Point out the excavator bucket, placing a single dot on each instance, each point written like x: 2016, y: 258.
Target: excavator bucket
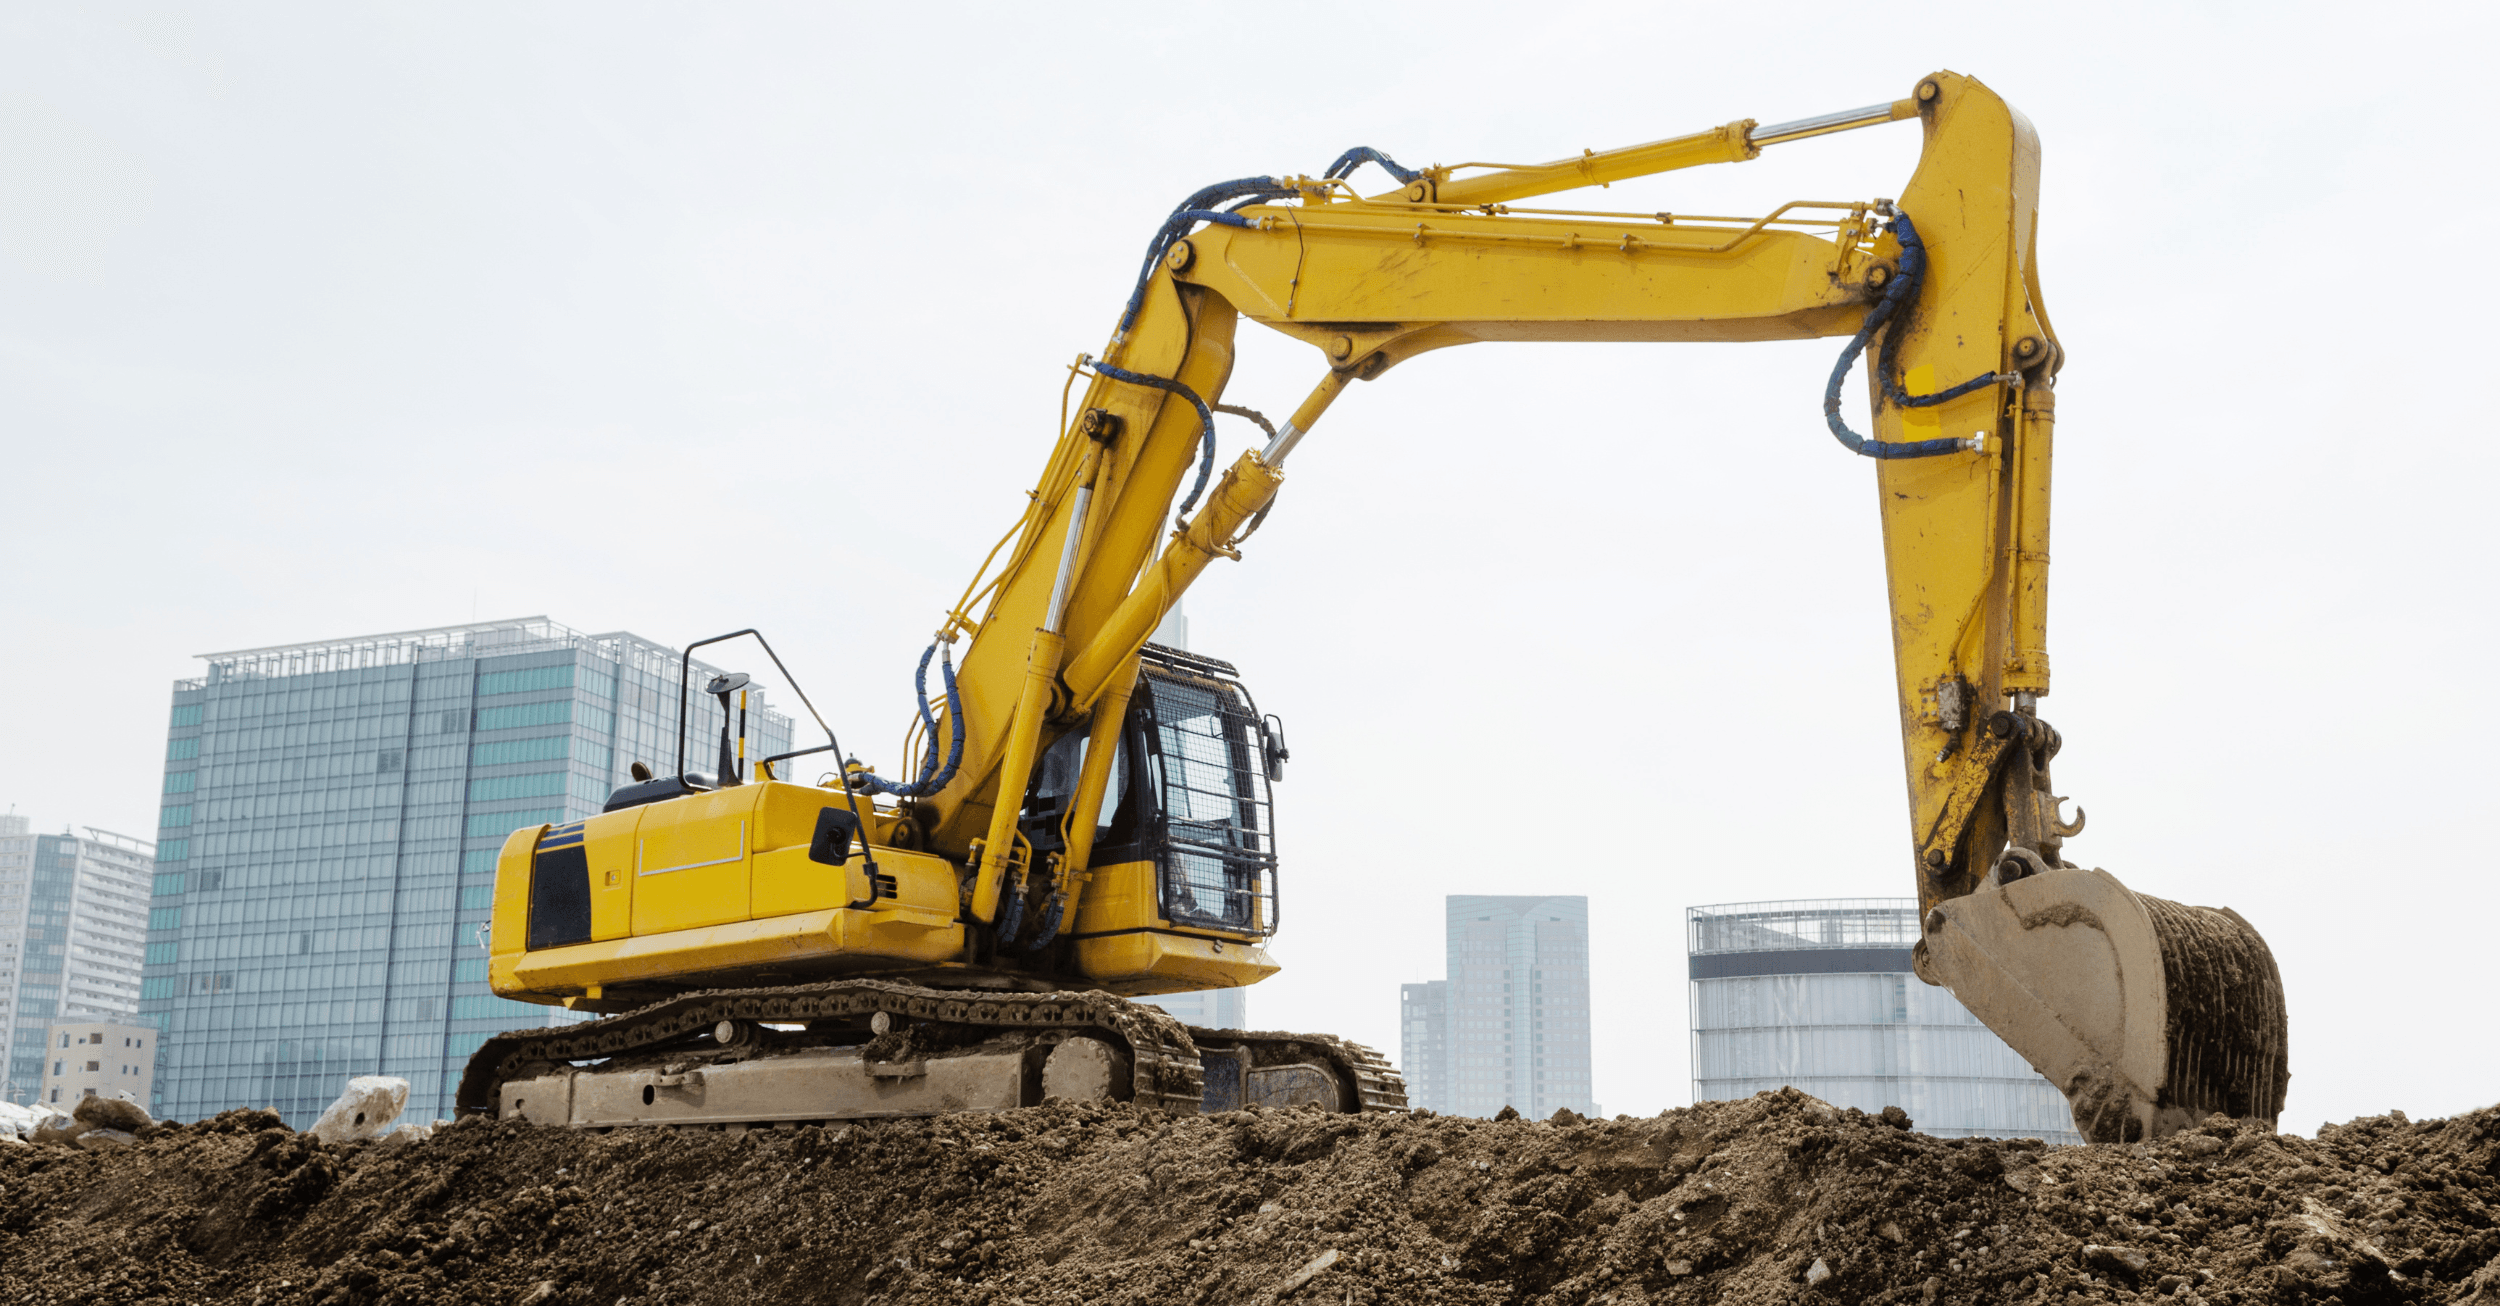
x: 2149, y: 1014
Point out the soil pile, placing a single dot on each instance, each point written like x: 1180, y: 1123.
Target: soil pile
x: 1779, y: 1198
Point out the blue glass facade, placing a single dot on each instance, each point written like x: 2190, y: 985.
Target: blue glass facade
x: 332, y: 815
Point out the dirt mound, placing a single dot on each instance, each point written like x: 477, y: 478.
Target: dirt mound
x: 1779, y: 1198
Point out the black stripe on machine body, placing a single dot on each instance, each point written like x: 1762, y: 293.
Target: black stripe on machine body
x: 1801, y: 961
x: 559, y: 896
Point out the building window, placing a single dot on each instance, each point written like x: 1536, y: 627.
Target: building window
x: 187, y: 715
x: 182, y: 750
x: 168, y: 883
x: 540, y: 784
x: 181, y: 782
x: 497, y: 824
x: 165, y: 918
x: 173, y: 850
x: 518, y: 715
x: 524, y: 680
x: 174, y: 817
x: 545, y: 748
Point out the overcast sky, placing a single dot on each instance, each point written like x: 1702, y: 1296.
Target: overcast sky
x: 323, y: 320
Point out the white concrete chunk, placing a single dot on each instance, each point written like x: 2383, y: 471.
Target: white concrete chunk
x: 366, y: 1110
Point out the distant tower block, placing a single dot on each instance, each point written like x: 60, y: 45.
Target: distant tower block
x: 1510, y: 1026
x: 1818, y: 995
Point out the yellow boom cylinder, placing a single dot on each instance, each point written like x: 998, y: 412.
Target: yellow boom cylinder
x: 1041, y: 665
x: 1247, y: 486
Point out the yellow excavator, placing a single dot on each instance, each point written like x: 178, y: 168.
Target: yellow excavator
x: 1084, y: 816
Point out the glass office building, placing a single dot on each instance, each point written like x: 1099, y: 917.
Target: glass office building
x: 1818, y: 995
x: 1423, y: 1043
x: 1510, y: 1026
x: 73, y: 920
x: 332, y: 816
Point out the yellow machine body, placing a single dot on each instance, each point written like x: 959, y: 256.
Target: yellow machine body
x: 717, y: 890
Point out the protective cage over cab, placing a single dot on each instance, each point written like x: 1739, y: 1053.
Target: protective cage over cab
x: 1187, y: 842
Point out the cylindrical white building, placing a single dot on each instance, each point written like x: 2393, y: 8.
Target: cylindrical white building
x: 1818, y: 994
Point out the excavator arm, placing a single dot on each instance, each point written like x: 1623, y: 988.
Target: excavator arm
x: 2147, y: 1013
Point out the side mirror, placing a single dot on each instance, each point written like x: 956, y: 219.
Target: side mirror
x: 1272, y: 743
x: 832, y: 844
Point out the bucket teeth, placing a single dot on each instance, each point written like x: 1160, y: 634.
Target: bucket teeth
x: 2226, y: 1023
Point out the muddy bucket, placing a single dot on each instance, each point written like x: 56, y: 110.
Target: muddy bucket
x: 2148, y: 1014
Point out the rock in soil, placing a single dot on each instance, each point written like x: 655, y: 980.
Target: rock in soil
x: 1725, y: 1202
x: 112, y: 1113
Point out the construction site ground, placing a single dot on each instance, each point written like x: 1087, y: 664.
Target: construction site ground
x: 1778, y: 1198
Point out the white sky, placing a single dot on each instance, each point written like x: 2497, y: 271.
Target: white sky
x: 320, y: 320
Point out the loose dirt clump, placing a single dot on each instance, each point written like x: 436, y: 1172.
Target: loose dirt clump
x: 1779, y: 1198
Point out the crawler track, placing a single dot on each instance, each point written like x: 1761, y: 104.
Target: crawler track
x: 1164, y: 1058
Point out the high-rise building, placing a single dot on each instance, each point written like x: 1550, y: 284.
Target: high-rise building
x: 333, y: 814
x: 1510, y: 1026
x: 1423, y: 1043
x: 73, y: 922
x: 1818, y: 995
x: 98, y: 1058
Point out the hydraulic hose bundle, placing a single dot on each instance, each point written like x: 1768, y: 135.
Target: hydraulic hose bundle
x: 1201, y: 207
x: 1899, y: 295
x: 932, y: 777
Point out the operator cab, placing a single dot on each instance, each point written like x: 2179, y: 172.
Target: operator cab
x: 1189, y: 792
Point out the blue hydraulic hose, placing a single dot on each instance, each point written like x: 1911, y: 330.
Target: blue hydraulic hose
x: 1361, y: 154
x: 1198, y: 208
x: 1237, y: 193
x: 1011, y: 915
x: 1206, y: 423
x: 1901, y: 292
x: 932, y: 778
x: 1055, y: 914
